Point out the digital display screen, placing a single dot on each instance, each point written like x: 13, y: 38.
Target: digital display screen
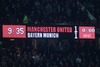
x: 86, y: 32
x: 14, y: 31
x: 50, y: 31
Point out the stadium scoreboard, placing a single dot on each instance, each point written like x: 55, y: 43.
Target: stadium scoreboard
x: 48, y: 31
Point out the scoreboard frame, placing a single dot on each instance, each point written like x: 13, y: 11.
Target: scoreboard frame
x: 74, y: 34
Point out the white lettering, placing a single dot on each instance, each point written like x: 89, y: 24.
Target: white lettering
x: 34, y: 35
x: 50, y: 35
x: 87, y: 36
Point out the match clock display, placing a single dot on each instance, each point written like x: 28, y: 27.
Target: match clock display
x: 14, y: 31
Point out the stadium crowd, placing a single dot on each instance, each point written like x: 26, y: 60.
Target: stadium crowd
x: 48, y: 11
x: 61, y: 53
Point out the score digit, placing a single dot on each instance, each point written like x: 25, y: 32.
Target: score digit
x: 91, y: 30
x: 83, y: 30
x: 10, y: 30
x: 20, y: 31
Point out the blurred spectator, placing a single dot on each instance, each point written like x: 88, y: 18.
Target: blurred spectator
x: 36, y: 58
x: 78, y: 60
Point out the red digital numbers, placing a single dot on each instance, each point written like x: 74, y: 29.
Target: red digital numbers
x: 14, y: 31
x: 86, y: 32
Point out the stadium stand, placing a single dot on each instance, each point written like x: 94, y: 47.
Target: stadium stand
x: 61, y: 53
x: 55, y: 11
x: 50, y: 53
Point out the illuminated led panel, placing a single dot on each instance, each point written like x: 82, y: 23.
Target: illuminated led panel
x: 86, y: 32
x: 14, y: 31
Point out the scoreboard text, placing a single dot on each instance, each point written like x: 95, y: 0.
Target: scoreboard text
x: 51, y: 31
